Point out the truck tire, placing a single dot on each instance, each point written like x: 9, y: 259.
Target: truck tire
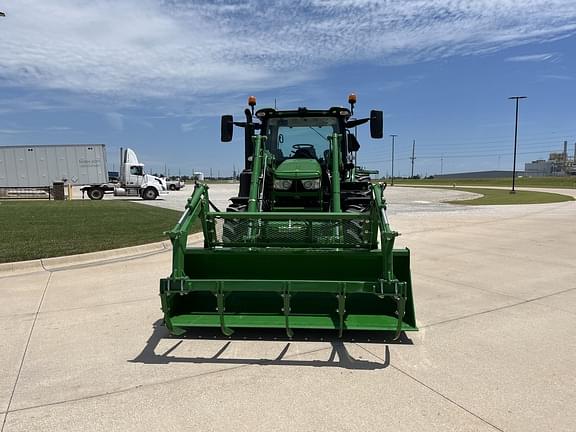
x: 95, y: 193
x: 149, y: 194
x: 172, y: 187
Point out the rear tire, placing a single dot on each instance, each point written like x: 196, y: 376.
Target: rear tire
x: 172, y: 187
x: 96, y: 193
x: 149, y: 194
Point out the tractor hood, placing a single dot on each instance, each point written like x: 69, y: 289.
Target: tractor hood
x: 295, y: 169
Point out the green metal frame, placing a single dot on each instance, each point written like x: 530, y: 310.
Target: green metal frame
x: 225, y: 272
x: 327, y: 283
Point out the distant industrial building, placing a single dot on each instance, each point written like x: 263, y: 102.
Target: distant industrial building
x: 558, y: 164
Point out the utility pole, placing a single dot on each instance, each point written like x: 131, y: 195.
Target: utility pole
x: 393, y: 141
x: 442, y: 164
x: 412, y: 158
x: 517, y: 98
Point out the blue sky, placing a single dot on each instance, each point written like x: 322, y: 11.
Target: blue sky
x: 155, y: 75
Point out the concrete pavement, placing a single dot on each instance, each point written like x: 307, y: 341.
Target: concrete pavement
x: 82, y: 348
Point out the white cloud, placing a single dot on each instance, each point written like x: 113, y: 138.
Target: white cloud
x: 58, y: 128
x: 532, y: 57
x: 134, y: 49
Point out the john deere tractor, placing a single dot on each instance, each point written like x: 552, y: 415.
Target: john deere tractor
x: 305, y: 244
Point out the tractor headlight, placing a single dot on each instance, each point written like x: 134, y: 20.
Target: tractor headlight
x: 282, y: 184
x: 311, y: 184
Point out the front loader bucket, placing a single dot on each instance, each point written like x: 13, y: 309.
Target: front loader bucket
x: 312, y: 289
x: 287, y: 270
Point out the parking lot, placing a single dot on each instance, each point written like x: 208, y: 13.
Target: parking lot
x: 83, y: 348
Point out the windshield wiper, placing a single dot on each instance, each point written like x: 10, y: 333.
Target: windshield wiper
x: 322, y: 136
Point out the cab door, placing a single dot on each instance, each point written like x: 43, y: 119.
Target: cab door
x: 135, y: 176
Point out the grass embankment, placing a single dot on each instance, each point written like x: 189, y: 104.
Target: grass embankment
x: 42, y: 229
x: 504, y: 197
x: 544, y: 182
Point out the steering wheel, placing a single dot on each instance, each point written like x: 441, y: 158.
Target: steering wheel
x: 303, y: 151
x: 301, y: 146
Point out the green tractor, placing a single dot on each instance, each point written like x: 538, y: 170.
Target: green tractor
x: 305, y: 244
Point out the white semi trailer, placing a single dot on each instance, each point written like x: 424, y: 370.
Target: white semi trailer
x: 36, y: 166
x: 132, y: 181
x: 29, y: 166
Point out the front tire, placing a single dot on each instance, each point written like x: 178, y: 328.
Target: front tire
x: 96, y: 193
x: 149, y: 194
x: 172, y: 187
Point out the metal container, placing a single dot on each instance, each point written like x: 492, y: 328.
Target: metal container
x: 42, y: 165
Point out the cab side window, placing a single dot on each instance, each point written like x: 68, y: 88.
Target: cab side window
x: 136, y: 170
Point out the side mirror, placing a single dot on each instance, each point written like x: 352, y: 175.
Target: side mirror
x: 226, y: 128
x: 376, y: 124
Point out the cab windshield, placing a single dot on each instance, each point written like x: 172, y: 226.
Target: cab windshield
x: 301, y: 137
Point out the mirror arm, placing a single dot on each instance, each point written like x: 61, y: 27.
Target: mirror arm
x: 358, y: 122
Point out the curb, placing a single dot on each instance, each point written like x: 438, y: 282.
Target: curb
x: 87, y: 259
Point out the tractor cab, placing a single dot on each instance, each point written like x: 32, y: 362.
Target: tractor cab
x: 303, y: 150
x: 299, y: 143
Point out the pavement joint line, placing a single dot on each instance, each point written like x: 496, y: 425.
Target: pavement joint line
x: 491, y: 251
x: 485, y: 290
x: 105, y: 261
x: 25, y: 352
x: 488, y: 291
x: 43, y: 313
x: 497, y: 220
x: 499, y: 308
x: 139, y: 386
x: 432, y: 389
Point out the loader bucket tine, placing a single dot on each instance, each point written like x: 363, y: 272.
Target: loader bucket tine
x: 220, y: 302
x: 341, y: 311
x: 286, y: 310
x: 401, y: 308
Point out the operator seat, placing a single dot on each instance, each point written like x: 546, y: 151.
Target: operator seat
x: 305, y: 153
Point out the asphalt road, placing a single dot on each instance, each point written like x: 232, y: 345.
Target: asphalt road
x: 82, y: 349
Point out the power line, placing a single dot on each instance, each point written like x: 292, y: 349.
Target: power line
x: 476, y: 150
x: 461, y: 156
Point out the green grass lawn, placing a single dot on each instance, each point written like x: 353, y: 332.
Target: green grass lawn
x: 546, y: 182
x: 501, y: 197
x: 42, y: 229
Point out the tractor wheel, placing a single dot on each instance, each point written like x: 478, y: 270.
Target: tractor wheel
x: 232, y: 229
x: 96, y: 193
x: 149, y: 194
x: 354, y: 232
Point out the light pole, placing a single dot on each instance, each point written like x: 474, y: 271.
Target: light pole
x: 393, y: 140
x: 517, y: 98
